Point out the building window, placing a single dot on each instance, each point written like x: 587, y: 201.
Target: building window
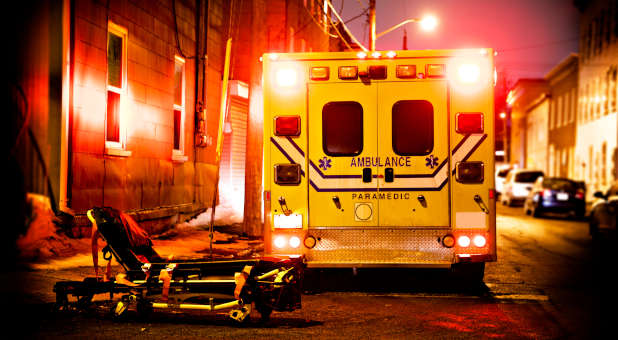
x: 115, y: 130
x: 179, y: 106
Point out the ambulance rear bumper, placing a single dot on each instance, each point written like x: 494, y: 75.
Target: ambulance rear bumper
x: 380, y: 247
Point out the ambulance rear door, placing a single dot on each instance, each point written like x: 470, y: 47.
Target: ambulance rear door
x: 413, y: 151
x: 342, y: 167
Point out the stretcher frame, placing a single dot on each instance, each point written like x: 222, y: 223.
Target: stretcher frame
x: 237, y: 287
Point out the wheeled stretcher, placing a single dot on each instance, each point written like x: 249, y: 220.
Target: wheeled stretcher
x: 150, y: 282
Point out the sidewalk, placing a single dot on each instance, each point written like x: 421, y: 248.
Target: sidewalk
x: 48, y: 256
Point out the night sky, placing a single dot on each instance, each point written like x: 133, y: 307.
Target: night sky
x: 531, y: 36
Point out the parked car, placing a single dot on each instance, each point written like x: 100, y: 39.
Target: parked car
x: 603, y: 213
x: 500, y: 178
x: 517, y: 185
x: 556, y: 195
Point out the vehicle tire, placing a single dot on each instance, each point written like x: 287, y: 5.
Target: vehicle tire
x: 593, y: 229
x: 264, y: 311
x: 536, y: 212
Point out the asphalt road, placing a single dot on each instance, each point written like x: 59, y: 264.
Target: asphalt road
x: 551, y: 281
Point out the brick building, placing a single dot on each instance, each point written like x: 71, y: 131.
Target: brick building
x: 528, y: 103
x: 562, y: 80
x: 116, y: 103
x: 597, y: 132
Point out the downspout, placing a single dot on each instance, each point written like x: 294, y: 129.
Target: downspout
x: 66, y: 147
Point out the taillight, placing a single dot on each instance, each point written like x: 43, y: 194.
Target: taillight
x: 279, y: 242
x: 287, y: 174
x: 546, y: 193
x: 470, y: 172
x: 463, y: 241
x: 479, y: 241
x: 287, y: 126
x: 469, y: 122
x: 579, y: 194
x: 294, y: 242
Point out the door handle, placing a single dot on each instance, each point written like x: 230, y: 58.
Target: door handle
x: 367, y: 175
x: 389, y: 175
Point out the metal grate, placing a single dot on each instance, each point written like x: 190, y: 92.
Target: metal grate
x: 379, y: 246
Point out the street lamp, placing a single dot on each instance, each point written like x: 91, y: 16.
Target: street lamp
x: 427, y: 23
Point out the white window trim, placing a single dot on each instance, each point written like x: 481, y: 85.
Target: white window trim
x: 178, y: 155
x: 111, y: 147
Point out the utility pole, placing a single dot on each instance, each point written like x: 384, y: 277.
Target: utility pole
x: 372, y: 25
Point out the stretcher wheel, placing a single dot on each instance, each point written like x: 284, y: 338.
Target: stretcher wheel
x: 264, y: 312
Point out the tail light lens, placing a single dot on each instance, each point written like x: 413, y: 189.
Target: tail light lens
x: 287, y: 126
x: 463, y: 241
x: 470, y: 172
x: 287, y: 174
x: 469, y: 122
x: 279, y: 242
x: 294, y: 242
x: 546, y: 193
x: 479, y: 241
x: 580, y: 194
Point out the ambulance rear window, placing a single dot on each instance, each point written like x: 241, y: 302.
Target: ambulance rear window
x: 342, y: 128
x: 412, y: 127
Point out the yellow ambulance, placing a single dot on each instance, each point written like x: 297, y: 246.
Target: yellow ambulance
x: 380, y: 159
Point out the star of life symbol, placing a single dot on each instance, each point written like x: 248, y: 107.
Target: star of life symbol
x: 325, y: 163
x: 431, y: 161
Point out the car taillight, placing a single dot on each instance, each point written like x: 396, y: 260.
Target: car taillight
x: 546, y: 193
x: 470, y: 172
x: 287, y: 126
x: 287, y: 174
x: 579, y: 194
x: 469, y: 122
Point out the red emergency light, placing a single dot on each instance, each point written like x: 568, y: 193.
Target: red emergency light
x: 469, y: 122
x: 287, y: 126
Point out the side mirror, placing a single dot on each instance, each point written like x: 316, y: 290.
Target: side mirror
x: 599, y: 194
